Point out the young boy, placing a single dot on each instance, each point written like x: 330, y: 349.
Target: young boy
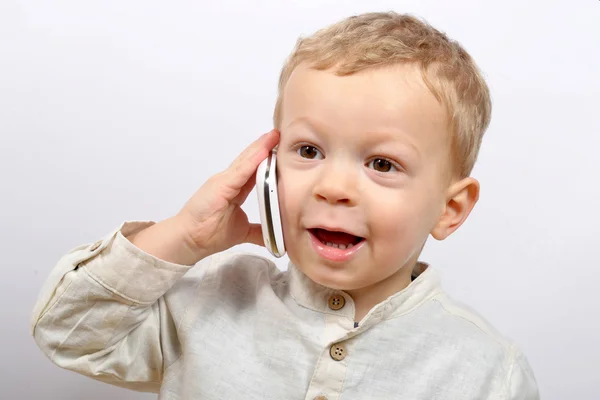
x: 378, y: 124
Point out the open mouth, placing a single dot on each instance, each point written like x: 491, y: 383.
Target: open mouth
x: 337, y: 240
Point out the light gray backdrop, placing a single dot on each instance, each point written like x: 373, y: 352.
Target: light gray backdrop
x: 114, y: 110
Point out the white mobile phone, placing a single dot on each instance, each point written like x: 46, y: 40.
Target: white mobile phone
x: 268, y: 203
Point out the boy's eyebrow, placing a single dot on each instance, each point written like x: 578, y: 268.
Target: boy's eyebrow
x: 302, y: 121
x: 395, y: 136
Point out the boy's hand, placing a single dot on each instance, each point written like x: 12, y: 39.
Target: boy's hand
x: 212, y: 219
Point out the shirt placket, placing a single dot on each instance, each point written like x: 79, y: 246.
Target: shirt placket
x: 330, y: 371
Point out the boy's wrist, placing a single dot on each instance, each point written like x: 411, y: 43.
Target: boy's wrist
x: 169, y: 241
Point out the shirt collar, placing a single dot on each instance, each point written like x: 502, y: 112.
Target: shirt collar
x: 314, y: 296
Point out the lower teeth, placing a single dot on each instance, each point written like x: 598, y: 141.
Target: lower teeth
x: 339, y: 246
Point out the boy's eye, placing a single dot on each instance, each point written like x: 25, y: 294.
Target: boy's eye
x: 309, y: 152
x: 381, y: 165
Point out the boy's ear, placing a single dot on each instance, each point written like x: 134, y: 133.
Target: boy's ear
x: 462, y: 197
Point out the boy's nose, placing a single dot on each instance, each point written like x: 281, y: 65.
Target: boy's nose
x: 337, y: 186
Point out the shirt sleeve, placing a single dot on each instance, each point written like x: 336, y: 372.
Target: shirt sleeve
x: 102, y: 312
x: 522, y: 384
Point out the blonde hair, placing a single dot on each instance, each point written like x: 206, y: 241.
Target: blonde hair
x: 380, y: 39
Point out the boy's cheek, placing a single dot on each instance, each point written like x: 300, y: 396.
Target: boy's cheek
x: 287, y: 205
x: 289, y: 189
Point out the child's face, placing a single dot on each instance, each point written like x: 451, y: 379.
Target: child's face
x: 367, y: 154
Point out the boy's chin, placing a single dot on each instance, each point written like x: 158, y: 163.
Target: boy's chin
x: 336, y: 276
x: 336, y: 279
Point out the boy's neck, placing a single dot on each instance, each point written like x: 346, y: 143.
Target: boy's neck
x: 368, y: 297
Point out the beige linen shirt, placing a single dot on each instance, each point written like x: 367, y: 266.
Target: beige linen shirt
x: 236, y: 327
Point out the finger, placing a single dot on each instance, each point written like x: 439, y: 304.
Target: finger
x: 245, y: 190
x: 255, y: 235
x: 245, y: 165
x: 252, y: 149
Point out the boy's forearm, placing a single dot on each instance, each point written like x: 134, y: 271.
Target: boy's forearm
x: 100, y: 301
x: 78, y: 333
x: 168, y: 241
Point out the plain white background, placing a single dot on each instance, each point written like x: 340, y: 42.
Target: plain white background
x: 115, y: 110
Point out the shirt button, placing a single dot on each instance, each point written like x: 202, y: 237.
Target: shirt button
x: 96, y: 245
x: 336, y: 301
x: 320, y: 398
x: 338, y: 351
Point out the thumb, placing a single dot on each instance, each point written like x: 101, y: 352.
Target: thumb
x: 255, y: 235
